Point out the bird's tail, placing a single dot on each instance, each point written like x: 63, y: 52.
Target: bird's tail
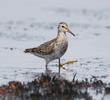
x: 28, y: 50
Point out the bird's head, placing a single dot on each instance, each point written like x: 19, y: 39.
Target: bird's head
x: 63, y: 27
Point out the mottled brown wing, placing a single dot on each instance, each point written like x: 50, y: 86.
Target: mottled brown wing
x: 45, y: 48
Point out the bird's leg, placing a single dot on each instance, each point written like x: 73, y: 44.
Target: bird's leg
x: 46, y: 69
x: 46, y: 66
x: 59, y: 65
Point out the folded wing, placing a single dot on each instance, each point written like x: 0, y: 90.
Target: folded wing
x: 44, y: 49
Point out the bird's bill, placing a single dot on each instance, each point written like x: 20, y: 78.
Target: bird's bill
x: 71, y: 32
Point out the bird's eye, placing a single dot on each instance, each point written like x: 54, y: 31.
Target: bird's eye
x: 63, y: 26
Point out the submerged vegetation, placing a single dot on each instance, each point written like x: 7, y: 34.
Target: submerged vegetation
x: 53, y: 87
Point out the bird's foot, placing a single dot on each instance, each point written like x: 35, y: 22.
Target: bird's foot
x: 69, y: 62
x: 47, y: 71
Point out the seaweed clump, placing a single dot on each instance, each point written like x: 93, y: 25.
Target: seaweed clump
x: 48, y: 87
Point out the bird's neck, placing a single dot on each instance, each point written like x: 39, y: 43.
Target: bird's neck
x: 61, y: 36
x: 61, y: 33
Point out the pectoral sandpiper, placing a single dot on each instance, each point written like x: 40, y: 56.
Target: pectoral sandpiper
x: 53, y: 49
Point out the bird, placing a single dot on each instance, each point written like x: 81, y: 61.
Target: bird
x: 55, y: 48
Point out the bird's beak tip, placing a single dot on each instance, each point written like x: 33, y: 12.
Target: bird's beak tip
x: 71, y: 32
